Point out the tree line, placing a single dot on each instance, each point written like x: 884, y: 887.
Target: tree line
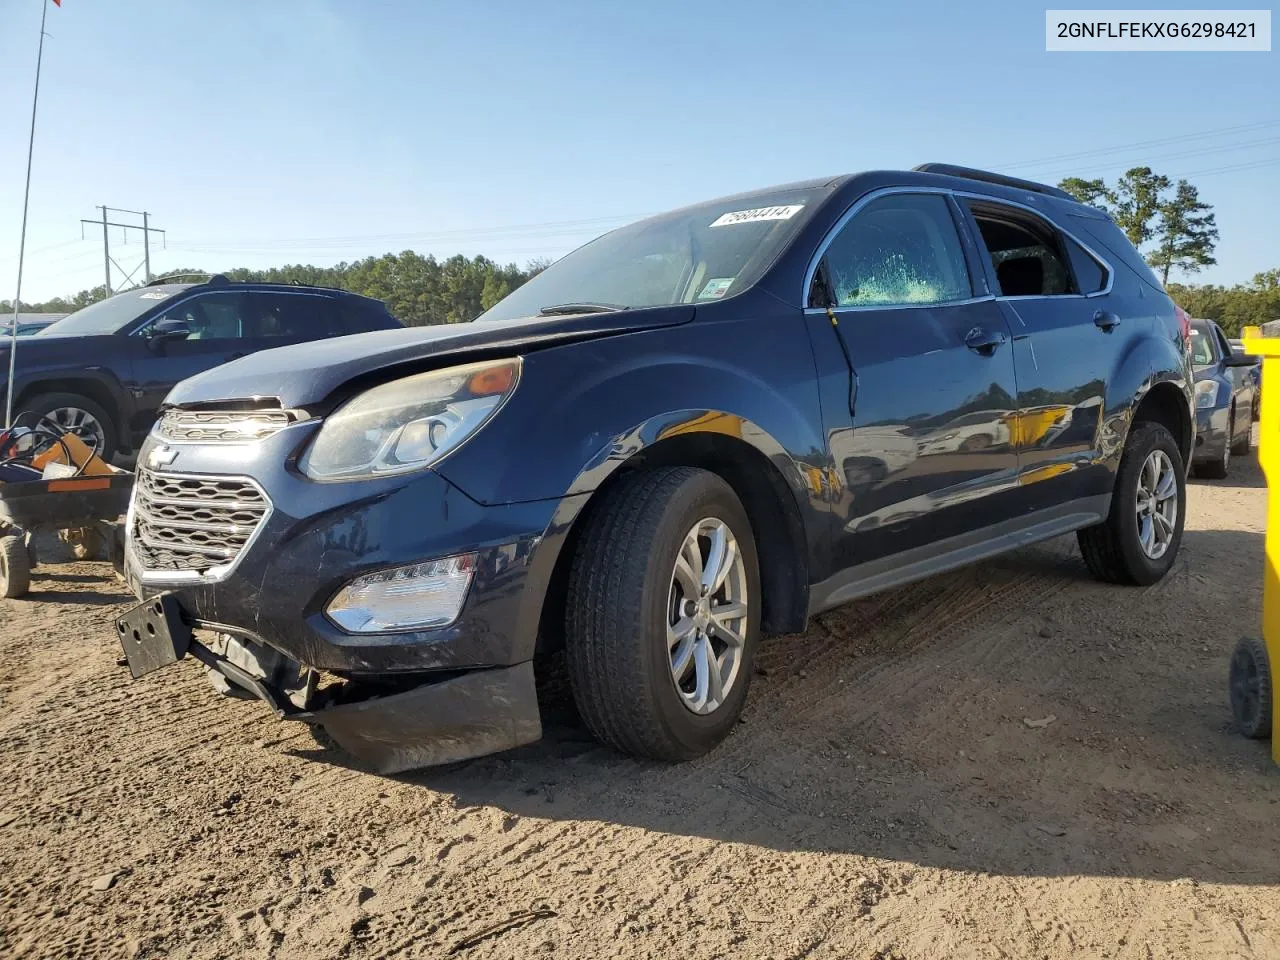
x: 1176, y: 230
x: 1166, y: 220
x: 417, y: 290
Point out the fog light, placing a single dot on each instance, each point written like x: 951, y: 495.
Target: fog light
x: 416, y: 597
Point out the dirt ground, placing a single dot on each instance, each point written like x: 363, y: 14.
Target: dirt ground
x: 1011, y: 761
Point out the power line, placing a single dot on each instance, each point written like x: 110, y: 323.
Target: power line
x: 1121, y: 148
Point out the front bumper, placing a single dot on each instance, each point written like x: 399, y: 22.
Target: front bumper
x: 319, y: 536
x: 1213, y: 426
x: 437, y: 721
x: 430, y: 696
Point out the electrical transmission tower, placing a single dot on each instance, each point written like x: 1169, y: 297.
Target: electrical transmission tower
x: 109, y: 261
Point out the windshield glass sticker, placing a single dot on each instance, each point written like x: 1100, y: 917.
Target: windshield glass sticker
x: 155, y: 295
x: 759, y: 213
x: 715, y: 289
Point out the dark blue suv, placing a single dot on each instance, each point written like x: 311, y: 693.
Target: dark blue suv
x: 102, y: 372
x: 699, y: 429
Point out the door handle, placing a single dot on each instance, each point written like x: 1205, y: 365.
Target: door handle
x: 983, y: 341
x: 1105, y: 320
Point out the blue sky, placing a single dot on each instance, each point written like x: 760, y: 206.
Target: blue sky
x: 262, y: 133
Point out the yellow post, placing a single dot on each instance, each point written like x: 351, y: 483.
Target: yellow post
x: 1269, y: 457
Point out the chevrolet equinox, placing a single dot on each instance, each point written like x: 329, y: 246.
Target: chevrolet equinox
x: 696, y: 430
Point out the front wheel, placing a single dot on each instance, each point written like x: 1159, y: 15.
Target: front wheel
x: 1243, y: 443
x: 662, y: 614
x: 63, y: 413
x: 1139, y: 540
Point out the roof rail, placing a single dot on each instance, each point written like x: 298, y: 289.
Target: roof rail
x: 217, y: 278
x: 986, y: 176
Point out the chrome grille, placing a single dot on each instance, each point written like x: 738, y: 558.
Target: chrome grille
x: 222, y: 426
x: 185, y: 523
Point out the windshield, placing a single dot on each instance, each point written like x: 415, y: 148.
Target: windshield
x: 695, y: 255
x: 1201, y: 348
x: 110, y: 315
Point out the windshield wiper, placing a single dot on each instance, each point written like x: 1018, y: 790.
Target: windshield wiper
x: 567, y: 308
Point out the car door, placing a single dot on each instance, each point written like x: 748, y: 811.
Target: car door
x: 1067, y: 340
x: 929, y: 450
x: 1240, y: 378
x: 216, y: 325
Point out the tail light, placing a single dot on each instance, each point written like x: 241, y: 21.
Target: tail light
x: 1184, y: 327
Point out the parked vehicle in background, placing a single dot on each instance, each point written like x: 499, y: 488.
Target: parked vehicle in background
x: 695, y: 430
x: 1226, y: 399
x: 102, y: 372
x: 1254, y: 374
x: 28, y: 324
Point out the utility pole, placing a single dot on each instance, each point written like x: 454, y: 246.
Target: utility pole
x: 107, y: 260
x: 22, y: 237
x: 146, y: 248
x: 106, y: 250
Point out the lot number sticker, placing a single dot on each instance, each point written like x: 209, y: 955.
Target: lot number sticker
x: 759, y: 213
x: 715, y: 289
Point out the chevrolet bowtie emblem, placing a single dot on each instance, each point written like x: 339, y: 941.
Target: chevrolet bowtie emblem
x: 161, y: 457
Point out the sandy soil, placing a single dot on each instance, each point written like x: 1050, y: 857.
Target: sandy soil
x: 885, y: 797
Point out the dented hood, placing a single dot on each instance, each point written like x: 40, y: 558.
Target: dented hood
x: 307, y: 373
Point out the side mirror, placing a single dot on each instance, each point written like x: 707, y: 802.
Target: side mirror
x: 166, y: 329
x: 1240, y: 360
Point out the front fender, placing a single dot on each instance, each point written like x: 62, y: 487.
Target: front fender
x: 582, y: 410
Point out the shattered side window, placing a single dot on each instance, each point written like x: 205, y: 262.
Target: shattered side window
x: 900, y: 249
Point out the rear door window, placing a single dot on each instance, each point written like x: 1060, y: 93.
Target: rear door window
x: 1026, y: 252
x: 290, y: 316
x: 899, y: 250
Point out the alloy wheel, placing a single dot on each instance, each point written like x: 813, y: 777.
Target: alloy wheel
x: 1157, y: 504
x: 80, y: 423
x: 707, y: 616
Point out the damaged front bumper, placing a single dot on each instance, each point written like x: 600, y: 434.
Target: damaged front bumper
x: 420, y: 723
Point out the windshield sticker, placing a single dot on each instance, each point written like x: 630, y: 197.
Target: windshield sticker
x: 760, y: 213
x: 155, y: 295
x: 715, y: 289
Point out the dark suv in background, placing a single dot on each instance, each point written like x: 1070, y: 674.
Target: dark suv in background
x: 704, y: 427
x: 102, y: 371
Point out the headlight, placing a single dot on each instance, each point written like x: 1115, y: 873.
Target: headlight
x: 409, y: 424
x: 1206, y: 394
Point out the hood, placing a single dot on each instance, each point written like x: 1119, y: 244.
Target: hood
x: 307, y: 373
x: 46, y: 350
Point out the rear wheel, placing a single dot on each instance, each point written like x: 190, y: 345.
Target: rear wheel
x: 1139, y: 540
x: 663, y: 614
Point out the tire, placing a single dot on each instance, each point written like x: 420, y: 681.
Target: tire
x: 1113, y: 550
x: 39, y: 407
x: 622, y: 594
x: 1251, y: 691
x: 15, y: 571
x: 1242, y: 445
x: 86, y: 543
